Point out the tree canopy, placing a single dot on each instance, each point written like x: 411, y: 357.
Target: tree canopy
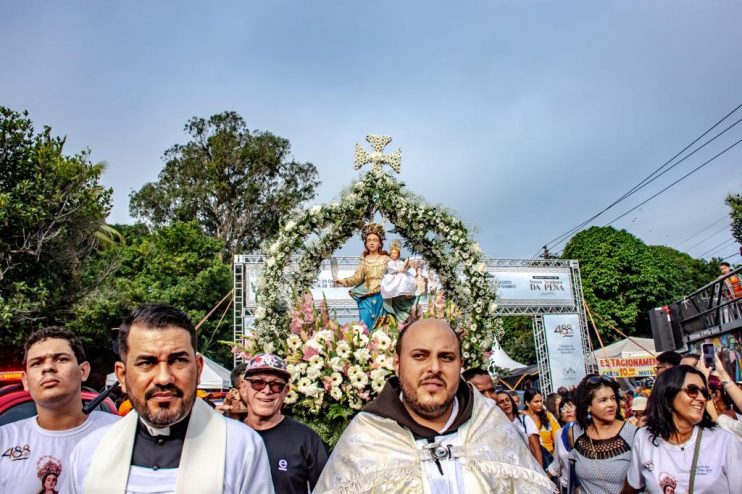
x: 176, y: 264
x: 734, y: 201
x: 623, y: 278
x: 237, y: 183
x: 51, y: 207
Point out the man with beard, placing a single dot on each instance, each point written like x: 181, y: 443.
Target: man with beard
x: 429, y: 432
x: 174, y: 442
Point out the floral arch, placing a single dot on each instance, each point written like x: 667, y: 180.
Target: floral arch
x: 293, y: 259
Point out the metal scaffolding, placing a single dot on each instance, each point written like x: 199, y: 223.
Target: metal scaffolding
x: 247, y: 269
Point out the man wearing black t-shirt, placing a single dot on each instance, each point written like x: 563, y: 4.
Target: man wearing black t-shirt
x: 296, y: 453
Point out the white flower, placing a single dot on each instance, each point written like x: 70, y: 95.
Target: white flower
x: 337, y: 379
x: 301, y: 368
x: 359, y: 380
x: 336, y: 394
x: 303, y: 383
x: 315, y: 210
x: 342, y: 349
x: 313, y: 373
x: 337, y: 364
x: 269, y: 347
x: 260, y: 312
x: 294, y: 342
x: 291, y: 397
x: 362, y: 355
x: 314, y: 343
x: 274, y: 247
x: 355, y: 403
x: 270, y: 262
x: 325, y: 334
x: 290, y: 225
x: 379, y: 373
x: 361, y: 339
x: 316, y: 361
x: 353, y: 370
x: 382, y: 340
x: 377, y: 384
x: 481, y: 267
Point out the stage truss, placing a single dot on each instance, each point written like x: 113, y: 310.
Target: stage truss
x: 247, y: 268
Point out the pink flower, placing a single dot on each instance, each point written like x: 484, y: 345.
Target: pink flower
x: 309, y: 352
x: 365, y: 395
x: 323, y: 312
x: 327, y: 381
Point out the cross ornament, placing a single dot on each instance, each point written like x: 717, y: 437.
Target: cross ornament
x: 377, y: 158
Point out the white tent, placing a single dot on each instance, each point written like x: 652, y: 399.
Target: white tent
x: 213, y: 377
x: 626, y: 348
x: 502, y: 360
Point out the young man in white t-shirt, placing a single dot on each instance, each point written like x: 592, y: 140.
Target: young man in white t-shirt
x: 34, y: 452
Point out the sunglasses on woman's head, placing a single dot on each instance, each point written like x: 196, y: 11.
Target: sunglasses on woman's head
x: 259, y: 385
x: 600, y: 380
x: 692, y: 390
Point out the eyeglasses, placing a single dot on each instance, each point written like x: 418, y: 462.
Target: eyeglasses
x: 692, y: 390
x: 259, y: 385
x: 569, y: 407
x: 661, y: 367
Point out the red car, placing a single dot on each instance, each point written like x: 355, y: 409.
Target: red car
x: 16, y: 404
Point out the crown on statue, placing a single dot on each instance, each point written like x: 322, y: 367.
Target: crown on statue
x: 395, y: 245
x: 48, y: 465
x: 374, y: 228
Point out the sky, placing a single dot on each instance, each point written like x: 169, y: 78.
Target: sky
x: 524, y: 118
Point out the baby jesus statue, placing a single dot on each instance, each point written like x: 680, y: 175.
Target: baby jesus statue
x: 398, y: 280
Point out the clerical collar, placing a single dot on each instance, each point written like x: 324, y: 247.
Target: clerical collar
x: 178, y: 427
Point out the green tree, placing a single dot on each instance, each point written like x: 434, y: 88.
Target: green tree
x: 519, y: 343
x: 178, y: 265
x: 51, y: 208
x: 238, y: 184
x: 623, y: 278
x: 734, y: 201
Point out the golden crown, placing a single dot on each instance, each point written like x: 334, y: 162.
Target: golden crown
x: 374, y: 228
x: 395, y: 245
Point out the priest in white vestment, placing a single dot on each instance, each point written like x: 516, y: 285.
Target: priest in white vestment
x: 429, y: 433
x: 171, y: 442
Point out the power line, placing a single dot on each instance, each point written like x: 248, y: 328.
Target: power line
x: 702, y: 230
x: 651, y: 177
x: 675, y: 182
x: 647, y: 182
x: 717, y: 247
x: 725, y: 227
x: 735, y: 254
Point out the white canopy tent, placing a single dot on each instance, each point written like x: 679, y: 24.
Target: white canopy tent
x: 626, y: 348
x: 213, y: 377
x: 502, y: 360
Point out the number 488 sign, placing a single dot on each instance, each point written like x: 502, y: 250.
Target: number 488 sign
x: 564, y: 345
x: 564, y: 330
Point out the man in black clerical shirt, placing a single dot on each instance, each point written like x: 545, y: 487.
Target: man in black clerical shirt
x: 296, y: 453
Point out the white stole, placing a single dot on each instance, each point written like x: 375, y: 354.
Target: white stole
x: 202, y: 460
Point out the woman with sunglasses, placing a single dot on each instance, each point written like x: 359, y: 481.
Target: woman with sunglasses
x: 523, y: 424
x: 680, y: 450
x: 561, y: 468
x: 601, y: 438
x: 545, y: 422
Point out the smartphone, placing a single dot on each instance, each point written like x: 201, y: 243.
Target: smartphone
x: 707, y: 351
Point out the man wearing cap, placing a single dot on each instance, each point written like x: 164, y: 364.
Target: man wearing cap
x: 172, y: 442
x: 429, y: 431
x: 639, y: 407
x: 296, y: 453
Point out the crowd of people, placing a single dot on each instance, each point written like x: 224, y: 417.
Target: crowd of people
x: 683, y: 435
x: 432, y: 428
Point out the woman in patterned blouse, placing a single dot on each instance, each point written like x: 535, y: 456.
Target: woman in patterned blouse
x: 602, y: 439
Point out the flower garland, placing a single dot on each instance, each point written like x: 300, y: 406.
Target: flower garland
x: 442, y: 239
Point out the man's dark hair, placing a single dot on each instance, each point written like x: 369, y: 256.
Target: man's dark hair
x: 660, y: 411
x: 474, y: 372
x: 155, y: 316
x: 724, y: 263
x: 670, y: 357
x: 55, y: 332
x: 398, y: 346
x: 237, y: 373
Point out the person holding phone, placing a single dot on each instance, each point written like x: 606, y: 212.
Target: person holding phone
x: 729, y: 389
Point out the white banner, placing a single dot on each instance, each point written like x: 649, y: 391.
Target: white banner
x: 564, y: 344
x: 533, y: 286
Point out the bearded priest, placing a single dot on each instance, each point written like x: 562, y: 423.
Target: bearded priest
x: 429, y: 432
x: 172, y: 442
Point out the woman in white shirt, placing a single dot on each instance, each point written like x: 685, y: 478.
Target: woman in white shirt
x: 680, y: 434
x: 523, y: 423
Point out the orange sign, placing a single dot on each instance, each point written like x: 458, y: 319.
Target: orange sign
x: 639, y: 367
